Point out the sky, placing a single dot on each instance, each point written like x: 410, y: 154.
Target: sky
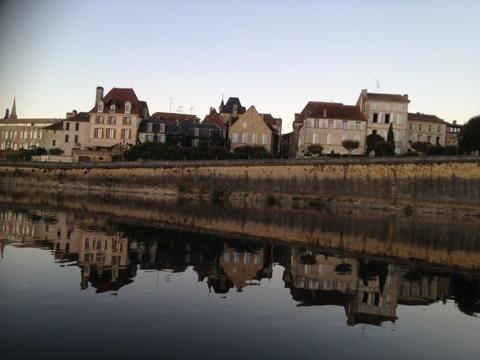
x: 276, y: 55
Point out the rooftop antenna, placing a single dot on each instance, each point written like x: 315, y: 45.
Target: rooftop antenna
x: 378, y: 84
x: 180, y: 109
x: 172, y: 100
x: 192, y: 109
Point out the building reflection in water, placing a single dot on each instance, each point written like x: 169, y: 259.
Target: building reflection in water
x: 110, y: 255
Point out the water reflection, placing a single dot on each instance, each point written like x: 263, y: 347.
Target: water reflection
x: 369, y: 288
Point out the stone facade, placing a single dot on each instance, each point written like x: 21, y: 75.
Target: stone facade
x: 69, y: 134
x: 452, y: 133
x: 381, y: 110
x: 426, y: 128
x: 328, y: 124
x: 251, y: 129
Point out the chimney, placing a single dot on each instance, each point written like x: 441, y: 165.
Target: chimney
x: 98, y: 94
x: 324, y: 113
x: 454, y: 121
x: 211, y: 109
x: 6, y: 114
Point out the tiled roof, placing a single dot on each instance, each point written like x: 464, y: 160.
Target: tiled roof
x: 173, y: 117
x: 55, y: 126
x: 317, y: 109
x: 120, y: 96
x: 228, y: 107
x: 80, y: 117
x: 214, y: 118
x: 272, y: 122
x: 387, y: 97
x: 424, y: 117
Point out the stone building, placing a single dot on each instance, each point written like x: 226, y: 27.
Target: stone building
x: 157, y: 127
x: 215, y: 118
x: 328, y: 124
x: 452, y: 133
x: 22, y: 133
x: 426, y: 128
x: 381, y: 110
x: 251, y: 129
x: 115, y: 118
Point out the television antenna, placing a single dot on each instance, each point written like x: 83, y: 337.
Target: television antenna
x: 180, y: 109
x: 192, y: 109
x: 172, y: 100
x: 377, y: 82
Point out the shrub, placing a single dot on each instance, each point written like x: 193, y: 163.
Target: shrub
x: 451, y: 150
x: 384, y: 148
x: 419, y: 146
x: 314, y: 150
x: 55, y: 151
x: 434, y: 150
x: 350, y: 145
x: 251, y: 152
x: 372, y: 141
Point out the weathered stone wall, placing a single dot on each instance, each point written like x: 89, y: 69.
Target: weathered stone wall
x: 413, y: 182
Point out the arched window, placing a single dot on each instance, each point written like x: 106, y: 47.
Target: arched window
x: 128, y: 107
x: 100, y: 106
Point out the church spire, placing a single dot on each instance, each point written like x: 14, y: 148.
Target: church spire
x: 13, y: 113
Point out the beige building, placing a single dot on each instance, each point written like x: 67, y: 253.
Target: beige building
x: 381, y: 110
x: 22, y: 133
x: 426, y: 128
x: 328, y: 124
x: 115, y: 118
x: 71, y: 133
x: 251, y: 129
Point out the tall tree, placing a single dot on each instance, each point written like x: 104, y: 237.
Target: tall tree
x: 469, y: 139
x: 390, y: 135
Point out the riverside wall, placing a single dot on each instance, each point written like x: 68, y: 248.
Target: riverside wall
x: 448, y: 183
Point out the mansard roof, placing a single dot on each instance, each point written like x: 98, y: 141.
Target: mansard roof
x: 173, y: 117
x: 120, y: 96
x: 387, y: 97
x: 228, y: 107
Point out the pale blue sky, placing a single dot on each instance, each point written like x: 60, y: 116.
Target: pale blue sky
x: 276, y: 55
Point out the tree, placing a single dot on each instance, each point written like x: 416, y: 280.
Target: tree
x: 350, y: 145
x: 314, y: 149
x: 435, y: 149
x: 391, y: 135
x: 419, y: 146
x: 55, y: 151
x: 469, y: 139
x: 384, y: 148
x: 372, y: 140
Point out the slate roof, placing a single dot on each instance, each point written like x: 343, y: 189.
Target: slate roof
x: 424, y: 117
x: 80, y: 117
x: 387, y: 97
x: 315, y: 109
x: 173, y: 117
x: 228, y: 107
x: 120, y: 96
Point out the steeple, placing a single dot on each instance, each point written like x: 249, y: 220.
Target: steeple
x: 13, y: 114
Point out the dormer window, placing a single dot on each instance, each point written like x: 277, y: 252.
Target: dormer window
x: 128, y: 107
x: 100, y: 106
x: 235, y: 109
x: 113, y: 107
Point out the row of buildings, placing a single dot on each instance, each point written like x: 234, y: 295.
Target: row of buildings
x: 119, y: 120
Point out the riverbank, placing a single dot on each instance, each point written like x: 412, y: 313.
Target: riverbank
x: 438, y: 186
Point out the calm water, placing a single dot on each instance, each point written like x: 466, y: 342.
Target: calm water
x: 81, y: 284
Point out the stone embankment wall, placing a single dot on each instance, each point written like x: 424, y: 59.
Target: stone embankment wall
x: 398, y: 181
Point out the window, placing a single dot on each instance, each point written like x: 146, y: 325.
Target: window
x: 254, y: 139
x: 314, y: 138
x: 429, y: 128
x: 111, y: 120
x: 113, y: 107
x: 429, y: 139
x: 387, y: 118
x: 235, y: 108
x: 234, y: 138
x: 344, y: 124
x: 99, y: 119
x: 162, y: 138
x: 196, y: 132
x: 375, y: 118
x: 77, y: 126
x: 98, y: 133
x: 419, y: 137
x: 126, y: 133
x: 358, y: 125
x: 264, y: 139
x: 330, y: 123
x: 162, y: 128
x: 66, y: 139
x: 437, y: 140
x: 76, y: 139
x: 419, y: 127
x: 67, y: 126
x: 110, y: 133
x: 411, y: 126
x: 149, y: 127
x: 128, y: 107
x: 329, y: 139
x: 438, y: 128
x: 244, y: 138
x: 127, y: 120
x: 54, y: 142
